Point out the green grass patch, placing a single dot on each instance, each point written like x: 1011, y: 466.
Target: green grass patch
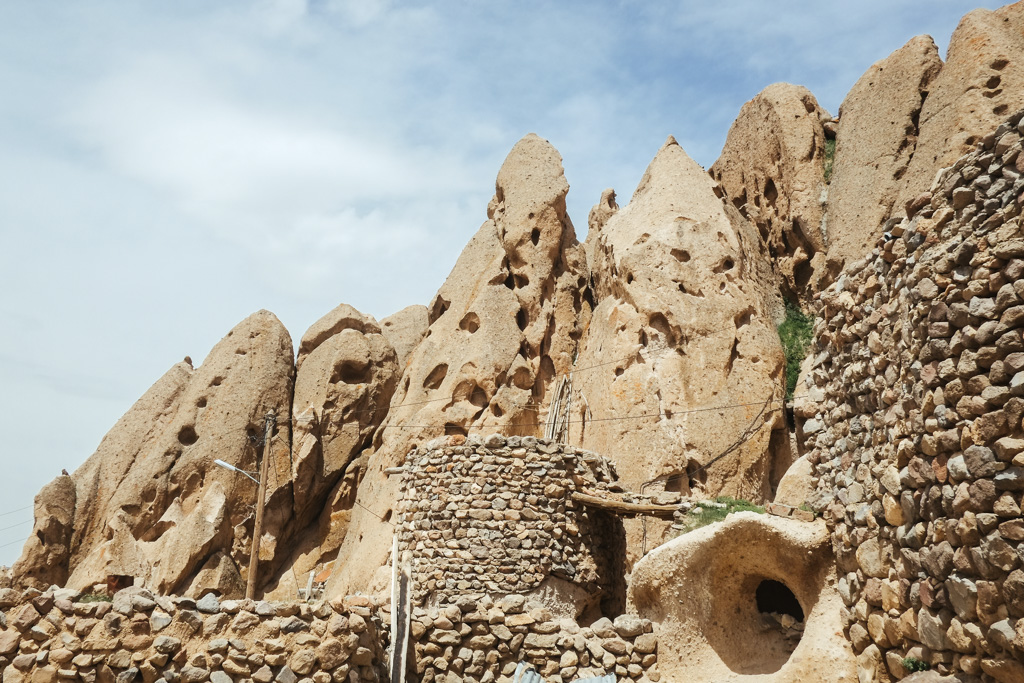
x: 795, y: 333
x: 913, y: 664
x: 806, y: 507
x: 830, y: 157
x: 702, y: 515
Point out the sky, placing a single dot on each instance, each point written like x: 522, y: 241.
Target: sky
x: 166, y: 169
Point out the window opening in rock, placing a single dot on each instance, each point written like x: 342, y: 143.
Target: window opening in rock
x: 452, y: 429
x: 774, y: 597
x: 781, y: 613
x: 696, y: 476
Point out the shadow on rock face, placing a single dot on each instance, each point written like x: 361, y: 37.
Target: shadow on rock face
x: 752, y: 595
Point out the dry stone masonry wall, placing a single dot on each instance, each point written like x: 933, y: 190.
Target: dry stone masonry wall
x: 483, y: 640
x: 913, y: 414
x: 144, y: 638
x: 496, y: 516
x: 503, y: 561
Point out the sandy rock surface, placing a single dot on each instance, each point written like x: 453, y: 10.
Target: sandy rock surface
x: 701, y: 592
x: 502, y: 326
x: 772, y: 170
x: 981, y: 83
x: 343, y: 388
x: 44, y: 558
x: 876, y: 141
x: 151, y: 503
x: 404, y: 330
x: 347, y: 373
x: 797, y: 485
x: 681, y: 359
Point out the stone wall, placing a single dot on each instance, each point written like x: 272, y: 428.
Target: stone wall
x: 495, y: 516
x: 913, y: 410
x: 143, y: 638
x: 482, y: 640
x: 503, y: 561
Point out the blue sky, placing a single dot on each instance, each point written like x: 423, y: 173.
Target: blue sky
x: 168, y: 168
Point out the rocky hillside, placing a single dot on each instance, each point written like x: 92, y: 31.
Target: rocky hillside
x: 653, y: 343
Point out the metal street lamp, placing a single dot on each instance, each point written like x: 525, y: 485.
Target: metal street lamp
x: 236, y: 469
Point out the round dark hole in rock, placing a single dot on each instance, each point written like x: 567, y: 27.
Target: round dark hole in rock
x: 775, y: 597
x: 187, y: 435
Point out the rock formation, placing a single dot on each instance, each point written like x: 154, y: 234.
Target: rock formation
x: 981, y: 83
x: 910, y: 116
x: 150, y: 501
x: 746, y: 568
x: 44, y: 559
x: 681, y: 362
x: 404, y: 330
x: 343, y: 385
x: 502, y: 326
x: 346, y: 374
x: 876, y: 140
x: 772, y: 169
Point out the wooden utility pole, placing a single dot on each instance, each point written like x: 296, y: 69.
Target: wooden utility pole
x: 254, y: 560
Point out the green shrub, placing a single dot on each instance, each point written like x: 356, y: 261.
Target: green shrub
x: 795, y: 332
x: 913, y: 664
x: 702, y: 515
x: 830, y: 156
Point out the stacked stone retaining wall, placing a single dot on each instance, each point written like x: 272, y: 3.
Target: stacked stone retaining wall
x: 141, y: 638
x: 913, y: 422
x: 482, y: 640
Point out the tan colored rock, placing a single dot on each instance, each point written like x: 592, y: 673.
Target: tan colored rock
x: 980, y: 85
x: 700, y: 590
x: 151, y: 503
x: 772, y: 170
x: 218, y: 575
x: 682, y: 360
x: 404, y: 330
x: 347, y: 373
x: 44, y: 558
x: 876, y: 141
x: 797, y: 485
x: 502, y: 326
x: 343, y: 387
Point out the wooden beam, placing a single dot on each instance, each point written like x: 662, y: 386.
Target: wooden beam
x: 626, y: 509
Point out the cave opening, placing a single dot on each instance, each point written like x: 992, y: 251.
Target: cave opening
x: 774, y: 597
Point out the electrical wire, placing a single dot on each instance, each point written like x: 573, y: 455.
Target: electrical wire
x: 15, y: 526
x: 4, y: 514
x: 564, y: 373
x: 600, y: 419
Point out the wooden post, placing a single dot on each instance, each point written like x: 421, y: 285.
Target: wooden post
x: 261, y: 496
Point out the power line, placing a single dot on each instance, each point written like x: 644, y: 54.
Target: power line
x: 14, y: 526
x: 673, y: 413
x: 564, y: 373
x: 4, y: 514
x: 20, y: 540
x: 358, y: 504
